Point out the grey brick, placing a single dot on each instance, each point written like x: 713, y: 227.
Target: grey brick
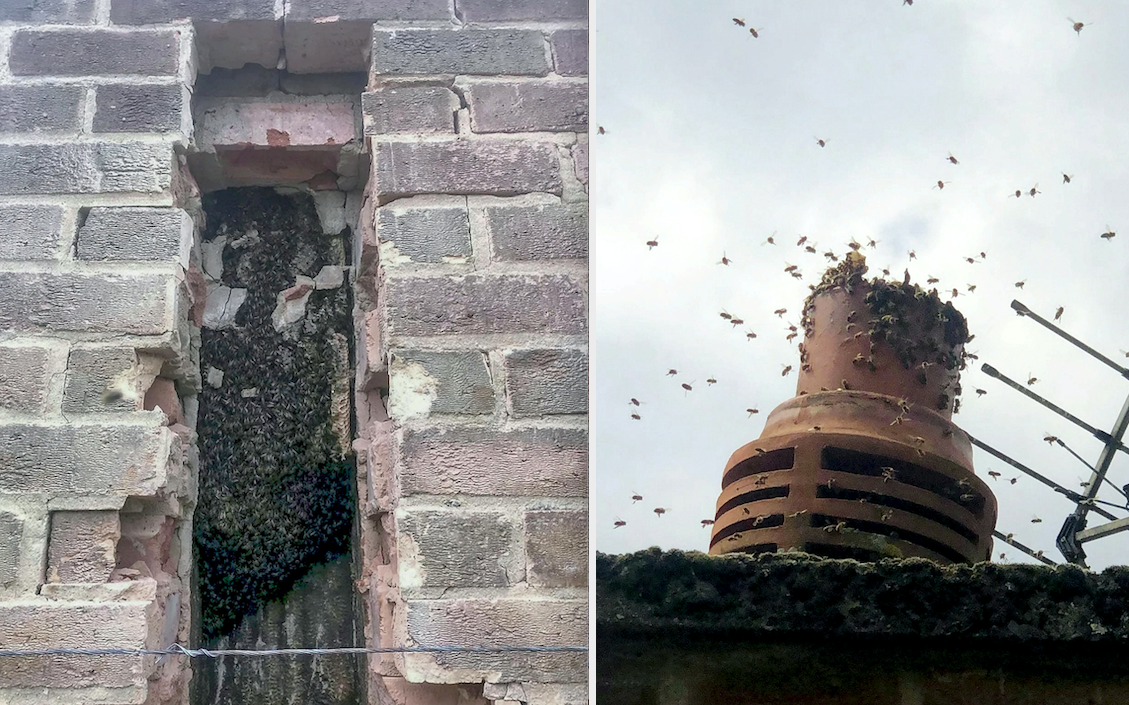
x: 487, y: 52
x: 580, y: 162
x: 143, y: 108
x: 85, y: 168
x: 549, y: 106
x: 87, y: 459
x: 47, y: 11
x: 372, y: 10
x: 459, y: 549
x: 504, y: 622
x: 540, y: 10
x: 41, y: 108
x: 463, y: 383
x: 426, y: 234
x: 251, y: 80
x: 42, y: 623
x: 556, y: 544
x: 39, y: 302
x: 162, y: 11
x: 557, y: 231
x: 484, y: 304
x: 11, y: 533
x: 466, y: 168
x: 570, y: 51
x: 546, y: 382
x: 25, y: 379
x: 30, y: 232
x: 353, y: 83
x: 532, y: 462
x: 139, y: 234
x: 83, y: 546
x: 89, y: 372
x: 95, y: 53
x: 413, y: 109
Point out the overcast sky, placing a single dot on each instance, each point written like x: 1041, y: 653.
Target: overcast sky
x: 710, y: 147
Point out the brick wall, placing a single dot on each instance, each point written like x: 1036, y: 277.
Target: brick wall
x: 96, y: 351
x: 471, y: 331
x: 476, y: 268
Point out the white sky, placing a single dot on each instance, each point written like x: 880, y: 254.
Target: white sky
x: 710, y: 147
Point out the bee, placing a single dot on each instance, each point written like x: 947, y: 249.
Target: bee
x: 750, y: 335
x: 816, y: 429
x: 746, y: 510
x: 970, y: 260
x: 1018, y: 193
x: 735, y: 537
x: 821, y: 143
x: 831, y: 256
x: 753, y: 410
x: 619, y: 522
x: 600, y: 130
x: 790, y: 268
x: 787, y: 369
x: 634, y: 402
x: 1014, y: 480
x: 1066, y: 177
x: 726, y: 315
x: 737, y: 321
x: 707, y: 522
x: 956, y: 292
x: 941, y: 184
x: 854, y: 245
x: 872, y: 243
x: 1051, y: 440
x: 637, y: 417
x: 1058, y: 313
x: 652, y: 244
x: 793, y: 515
x: 912, y: 255
x: 780, y: 312
x: 1003, y: 556
x: 1036, y: 520
x: 1031, y: 380
x: 687, y: 387
x: 953, y: 159
x: 1039, y: 553
x: 843, y: 385
x: 1034, y: 190
x: 760, y: 451
x: 918, y: 440
x: 671, y: 373
x: 739, y: 23
x: 756, y: 32
x: 790, y: 336
x: 835, y: 528
x: 809, y: 248
x: 711, y: 380
x: 636, y: 497
x: 1077, y: 26
x: 1019, y: 285
x: 771, y: 239
x: 907, y: 2
x: 993, y: 474
x: 932, y: 280
x: 971, y: 288
x: 1108, y: 234
x: 887, y: 515
x: 981, y: 392
x: 724, y: 260
x: 885, y: 271
x: 659, y: 511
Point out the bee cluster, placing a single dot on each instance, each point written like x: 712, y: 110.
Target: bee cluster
x: 921, y: 329
x: 276, y: 488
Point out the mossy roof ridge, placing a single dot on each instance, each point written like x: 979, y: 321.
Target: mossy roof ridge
x: 688, y: 593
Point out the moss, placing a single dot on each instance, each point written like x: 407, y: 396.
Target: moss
x: 657, y: 592
x: 275, y: 494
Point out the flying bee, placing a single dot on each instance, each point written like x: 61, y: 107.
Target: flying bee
x: 736, y: 321
x: 634, y: 402
x: 872, y: 243
x: 711, y: 380
x: 831, y: 256
x: 738, y: 22
x: 619, y: 522
x: 885, y: 271
x: 1058, y: 313
x: 1034, y: 190
x: 659, y: 511
x: 913, y: 254
x: 790, y: 336
x: 953, y: 159
x: 821, y: 143
x: 790, y: 268
x: 981, y: 392
x: 993, y: 474
x: 971, y: 288
x: 726, y: 315
x: 907, y: 2
x: 780, y: 312
x: 600, y: 130
x: 1036, y: 520
x: 724, y: 260
x: 932, y: 280
x: 1019, y: 285
x: 671, y: 373
x: 1014, y: 480
x: 1077, y: 26
x: 1108, y: 234
x: 771, y: 239
x: 1018, y: 193
x: 1066, y: 177
x: 635, y: 416
x: 983, y: 255
x: 1051, y: 440
x: 941, y: 184
x: 750, y: 335
x: 787, y: 369
x: 752, y: 411
x: 810, y: 248
x: 956, y: 292
x: 652, y: 244
x: 756, y: 32
x: 687, y: 387
x: 636, y: 497
x: 970, y: 260
x: 707, y: 522
x: 801, y: 241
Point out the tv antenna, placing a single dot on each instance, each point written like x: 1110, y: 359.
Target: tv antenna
x: 1074, y: 533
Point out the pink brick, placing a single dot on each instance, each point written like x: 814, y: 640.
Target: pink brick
x: 41, y: 626
x: 556, y: 545
x: 580, y: 160
x: 305, y: 123
x: 83, y: 546
x: 549, y: 462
